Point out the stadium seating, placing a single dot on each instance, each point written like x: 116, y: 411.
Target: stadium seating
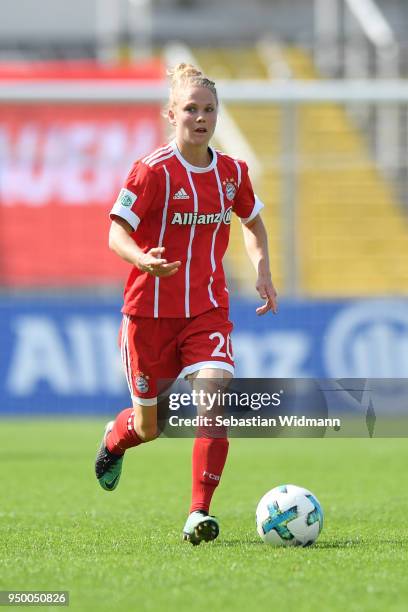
x: 261, y: 127
x: 352, y: 234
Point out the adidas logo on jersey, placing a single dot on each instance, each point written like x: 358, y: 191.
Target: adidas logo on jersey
x: 181, y: 195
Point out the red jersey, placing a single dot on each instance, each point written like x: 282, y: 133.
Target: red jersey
x: 186, y: 209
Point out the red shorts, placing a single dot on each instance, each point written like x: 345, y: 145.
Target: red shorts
x: 154, y: 349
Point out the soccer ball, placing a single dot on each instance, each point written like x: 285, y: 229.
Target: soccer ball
x: 289, y: 516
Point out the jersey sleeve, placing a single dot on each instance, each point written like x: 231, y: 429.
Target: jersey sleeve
x: 136, y: 196
x: 247, y: 205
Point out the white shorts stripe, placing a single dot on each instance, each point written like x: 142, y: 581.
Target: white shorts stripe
x: 124, y: 350
x: 122, y: 342
x: 150, y: 401
x: 201, y: 365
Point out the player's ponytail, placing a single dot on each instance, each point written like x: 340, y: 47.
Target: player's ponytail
x: 186, y: 75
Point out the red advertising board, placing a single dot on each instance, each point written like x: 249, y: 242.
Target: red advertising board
x: 61, y: 167
x: 149, y: 69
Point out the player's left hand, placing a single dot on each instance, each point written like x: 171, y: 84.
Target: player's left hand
x: 266, y: 290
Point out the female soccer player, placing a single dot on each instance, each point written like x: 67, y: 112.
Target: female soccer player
x: 171, y: 222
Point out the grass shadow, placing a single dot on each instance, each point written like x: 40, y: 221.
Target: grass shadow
x: 359, y: 543
x: 332, y: 544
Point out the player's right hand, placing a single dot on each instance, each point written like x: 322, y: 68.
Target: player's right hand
x: 153, y: 263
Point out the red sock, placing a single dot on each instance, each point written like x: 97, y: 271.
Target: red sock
x: 123, y: 435
x: 209, y: 457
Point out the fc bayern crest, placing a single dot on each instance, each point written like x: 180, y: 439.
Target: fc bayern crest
x: 142, y: 384
x: 230, y: 188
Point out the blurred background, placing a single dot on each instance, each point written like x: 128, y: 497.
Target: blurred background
x: 315, y: 99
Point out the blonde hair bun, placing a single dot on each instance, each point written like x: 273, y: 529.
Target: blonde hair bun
x: 184, y: 75
x: 184, y: 71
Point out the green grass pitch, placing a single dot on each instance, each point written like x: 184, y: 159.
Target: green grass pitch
x: 123, y: 550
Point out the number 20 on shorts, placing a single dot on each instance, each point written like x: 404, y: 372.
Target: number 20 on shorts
x: 218, y: 351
